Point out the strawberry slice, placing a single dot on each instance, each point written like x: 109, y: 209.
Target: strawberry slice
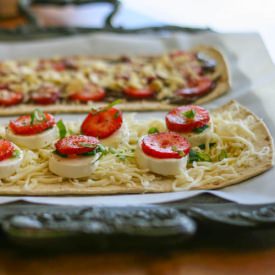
x: 198, y: 87
x: 45, y: 94
x: 33, y: 124
x: 9, y: 97
x: 102, y: 123
x: 186, y: 118
x: 89, y: 93
x: 76, y: 145
x: 139, y: 93
x: 165, y: 145
x: 6, y: 149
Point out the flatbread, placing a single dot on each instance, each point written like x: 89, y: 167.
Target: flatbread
x: 263, y: 139
x: 222, y: 86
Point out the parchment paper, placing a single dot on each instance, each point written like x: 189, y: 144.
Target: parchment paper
x: 253, y: 85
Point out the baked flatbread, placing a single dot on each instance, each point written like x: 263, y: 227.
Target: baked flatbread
x: 246, y: 138
x: 219, y: 75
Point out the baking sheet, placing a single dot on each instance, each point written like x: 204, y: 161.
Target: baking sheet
x: 253, y: 85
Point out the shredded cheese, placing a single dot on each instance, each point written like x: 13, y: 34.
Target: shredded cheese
x: 119, y: 166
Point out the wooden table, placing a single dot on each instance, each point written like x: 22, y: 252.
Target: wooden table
x: 248, y: 253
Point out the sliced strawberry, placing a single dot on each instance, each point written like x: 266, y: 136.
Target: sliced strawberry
x: 186, y: 118
x: 45, y: 94
x: 64, y: 64
x: 9, y: 98
x: 6, y: 149
x: 165, y: 145
x: 139, y: 93
x: 89, y: 93
x: 58, y: 65
x: 102, y: 123
x: 76, y: 144
x: 197, y: 88
x: 25, y: 125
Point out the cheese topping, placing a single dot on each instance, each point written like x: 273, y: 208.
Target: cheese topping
x: 164, y: 74
x: 229, y: 148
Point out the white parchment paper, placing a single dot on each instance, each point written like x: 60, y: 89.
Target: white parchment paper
x: 253, y: 85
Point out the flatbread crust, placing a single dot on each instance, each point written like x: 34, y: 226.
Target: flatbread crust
x: 223, y: 86
x: 264, y: 138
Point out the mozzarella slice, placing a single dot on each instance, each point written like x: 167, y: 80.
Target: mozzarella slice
x: 164, y: 167
x: 37, y: 141
x: 79, y: 167
x: 199, y: 138
x: 9, y: 166
x: 118, y: 137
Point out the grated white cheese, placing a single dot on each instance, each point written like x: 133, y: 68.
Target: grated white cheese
x: 120, y: 167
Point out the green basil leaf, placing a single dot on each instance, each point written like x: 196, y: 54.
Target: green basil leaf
x: 109, y: 106
x: 61, y: 128
x: 112, y: 150
x: 92, y: 153
x: 15, y: 153
x: 59, y: 154
x: 200, y: 129
x: 211, y: 144
x: 222, y: 155
x: 189, y: 114
x: 116, y: 115
x: 198, y: 156
x: 153, y: 130
x: 37, y: 116
x: 175, y: 149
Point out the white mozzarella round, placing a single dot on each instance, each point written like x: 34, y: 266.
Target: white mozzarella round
x: 79, y: 167
x: 37, y: 141
x: 9, y: 166
x: 164, y: 167
x: 118, y: 137
x: 199, y: 138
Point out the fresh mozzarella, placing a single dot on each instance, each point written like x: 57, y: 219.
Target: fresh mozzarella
x: 37, y: 141
x: 78, y: 167
x: 120, y: 136
x: 199, y: 138
x: 164, y: 167
x: 9, y: 166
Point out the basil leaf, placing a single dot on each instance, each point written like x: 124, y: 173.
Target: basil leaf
x: 15, y: 153
x: 92, y: 153
x: 222, y: 155
x: 109, y: 106
x: 112, y: 150
x: 153, y: 130
x: 198, y: 156
x: 211, y: 144
x: 61, y: 128
x: 37, y: 116
x: 175, y: 149
x: 200, y: 129
x: 116, y: 115
x: 189, y: 114
x: 59, y: 154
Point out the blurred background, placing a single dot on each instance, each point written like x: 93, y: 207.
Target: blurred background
x: 223, y: 16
